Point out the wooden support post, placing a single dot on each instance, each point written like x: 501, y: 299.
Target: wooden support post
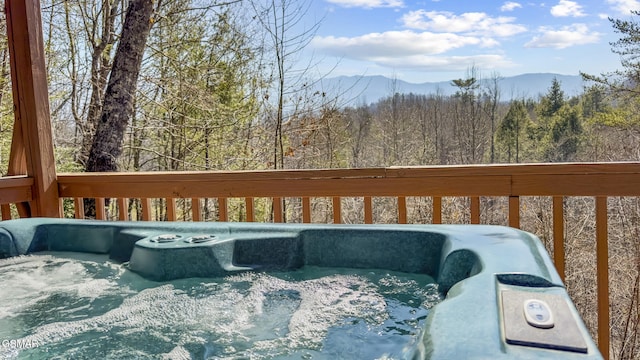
x: 18, y: 164
x: 31, y: 102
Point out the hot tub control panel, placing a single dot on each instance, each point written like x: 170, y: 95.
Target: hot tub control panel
x: 541, y: 319
x: 538, y: 313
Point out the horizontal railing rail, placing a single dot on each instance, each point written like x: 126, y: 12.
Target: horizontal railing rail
x: 14, y: 190
x: 558, y: 181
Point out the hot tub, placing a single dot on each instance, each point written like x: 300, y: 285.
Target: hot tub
x: 74, y: 288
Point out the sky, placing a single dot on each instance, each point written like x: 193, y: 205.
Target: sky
x: 440, y: 40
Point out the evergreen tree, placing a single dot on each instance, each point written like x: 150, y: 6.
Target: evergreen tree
x: 511, y: 128
x: 553, y: 101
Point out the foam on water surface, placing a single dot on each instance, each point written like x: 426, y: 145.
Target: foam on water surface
x: 82, y: 306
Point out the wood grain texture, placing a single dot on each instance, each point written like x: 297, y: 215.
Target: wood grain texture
x: 602, y: 275
x: 31, y: 103
x: 558, y: 235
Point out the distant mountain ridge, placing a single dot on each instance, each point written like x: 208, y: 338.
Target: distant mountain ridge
x: 369, y: 89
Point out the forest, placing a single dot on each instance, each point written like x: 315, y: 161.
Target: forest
x: 177, y: 85
x: 220, y: 87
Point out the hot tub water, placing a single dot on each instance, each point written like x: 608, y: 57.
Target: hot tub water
x: 90, y: 307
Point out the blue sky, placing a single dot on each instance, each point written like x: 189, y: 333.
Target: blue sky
x: 439, y: 40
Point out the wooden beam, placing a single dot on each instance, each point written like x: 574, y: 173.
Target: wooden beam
x: 31, y: 102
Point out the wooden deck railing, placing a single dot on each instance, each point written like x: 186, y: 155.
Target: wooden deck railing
x: 14, y: 190
x: 557, y: 181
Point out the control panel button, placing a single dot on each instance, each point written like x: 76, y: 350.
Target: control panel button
x: 538, y: 313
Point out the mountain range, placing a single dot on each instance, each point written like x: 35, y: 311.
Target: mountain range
x: 369, y: 89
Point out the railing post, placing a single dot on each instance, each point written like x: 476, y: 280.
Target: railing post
x: 475, y: 210
x: 222, y: 210
x: 123, y: 209
x: 196, y: 213
x: 514, y: 211
x: 436, y: 218
x: 79, y: 208
x: 100, y: 213
x: 337, y: 210
x: 558, y: 235
x: 249, y: 202
x: 368, y: 210
x: 306, y: 210
x: 6, y: 211
x: 277, y: 210
x: 146, y: 209
x: 171, y: 209
x: 402, y: 210
x: 602, y: 269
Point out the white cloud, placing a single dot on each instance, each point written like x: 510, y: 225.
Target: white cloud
x: 368, y: 4
x: 445, y: 63
x: 624, y: 6
x: 396, y: 44
x: 567, y: 8
x: 510, y: 6
x: 576, y: 34
x: 472, y: 23
x: 411, y: 50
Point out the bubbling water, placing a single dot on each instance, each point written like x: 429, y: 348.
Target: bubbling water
x: 80, y: 306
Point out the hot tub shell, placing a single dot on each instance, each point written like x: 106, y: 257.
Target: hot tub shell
x: 487, y: 273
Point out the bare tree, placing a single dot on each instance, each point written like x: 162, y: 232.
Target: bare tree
x: 287, y: 36
x: 492, y: 102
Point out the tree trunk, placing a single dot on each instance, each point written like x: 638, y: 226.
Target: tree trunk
x: 119, y: 97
